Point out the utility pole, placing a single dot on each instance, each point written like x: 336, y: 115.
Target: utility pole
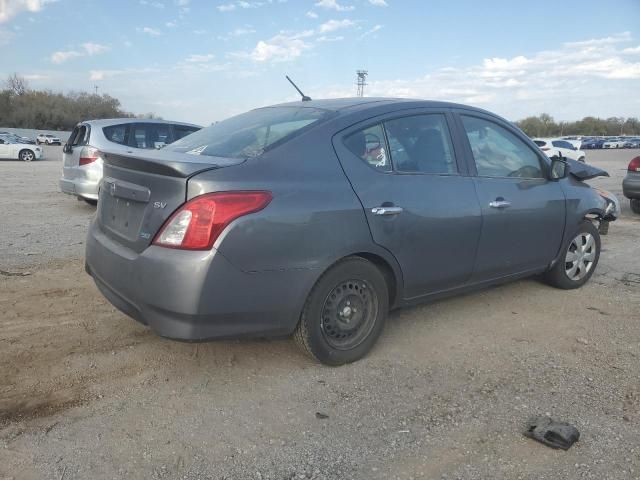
x: 96, y: 89
x: 362, y: 81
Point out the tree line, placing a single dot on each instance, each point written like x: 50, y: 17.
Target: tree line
x: 22, y: 107
x: 545, y: 126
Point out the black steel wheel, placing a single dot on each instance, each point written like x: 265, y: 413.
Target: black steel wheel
x: 345, y: 312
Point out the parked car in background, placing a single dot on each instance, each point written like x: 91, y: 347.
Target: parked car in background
x: 554, y: 146
x: 632, y: 143
x: 575, y: 141
x: 315, y: 218
x: 18, y: 138
x: 631, y: 185
x: 614, y: 143
x: 82, y: 154
x: 48, y: 139
x: 591, y: 143
x: 12, y: 150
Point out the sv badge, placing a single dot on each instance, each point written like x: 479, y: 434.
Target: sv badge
x: 159, y: 204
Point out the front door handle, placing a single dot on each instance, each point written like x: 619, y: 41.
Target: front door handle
x: 386, y: 210
x: 499, y: 203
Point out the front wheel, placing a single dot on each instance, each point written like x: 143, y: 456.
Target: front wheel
x: 578, y: 260
x: 345, y: 313
x: 634, y: 203
x: 26, y: 155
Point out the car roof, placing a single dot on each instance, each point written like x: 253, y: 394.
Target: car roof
x: 106, y: 122
x: 347, y: 105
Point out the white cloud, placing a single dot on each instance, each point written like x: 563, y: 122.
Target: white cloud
x: 171, y: 24
x: 94, y: 48
x: 97, y: 75
x: 196, y: 58
x: 182, y: 3
x: 88, y: 49
x: 63, y: 56
x: 152, y: 3
x: 149, y: 31
x: 334, y: 5
x: 371, y: 31
x: 324, y: 39
x: 227, y: 7
x: 311, y: 14
x: 279, y: 48
x: 333, y: 25
x: 379, y: 3
x: 11, y: 8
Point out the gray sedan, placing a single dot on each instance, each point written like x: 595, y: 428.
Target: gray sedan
x: 316, y: 218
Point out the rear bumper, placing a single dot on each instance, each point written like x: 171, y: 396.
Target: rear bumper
x: 195, y: 295
x: 80, y: 188
x: 631, y: 185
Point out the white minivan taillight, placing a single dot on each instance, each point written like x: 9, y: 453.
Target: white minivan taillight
x: 89, y: 155
x: 197, y: 224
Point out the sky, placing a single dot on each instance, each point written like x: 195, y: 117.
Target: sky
x: 204, y: 60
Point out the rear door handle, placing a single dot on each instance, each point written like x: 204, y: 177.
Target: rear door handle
x: 499, y: 203
x: 386, y: 210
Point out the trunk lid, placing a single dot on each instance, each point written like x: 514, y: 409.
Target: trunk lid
x: 140, y: 191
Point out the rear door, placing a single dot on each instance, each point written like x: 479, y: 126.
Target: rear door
x: 523, y: 213
x: 420, y: 205
x: 71, y: 152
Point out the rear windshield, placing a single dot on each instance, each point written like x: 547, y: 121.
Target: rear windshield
x: 250, y: 134
x: 540, y: 143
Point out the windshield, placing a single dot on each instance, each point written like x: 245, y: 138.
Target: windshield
x: 250, y: 134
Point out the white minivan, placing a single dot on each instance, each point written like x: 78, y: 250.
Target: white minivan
x: 81, y: 155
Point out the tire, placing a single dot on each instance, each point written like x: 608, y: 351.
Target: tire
x: 563, y: 274
x: 91, y: 202
x: 324, y: 331
x: 634, y: 203
x: 581, y: 159
x: 26, y: 155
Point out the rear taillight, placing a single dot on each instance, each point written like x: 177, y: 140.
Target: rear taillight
x: 89, y: 155
x: 197, y: 224
x: 634, y: 165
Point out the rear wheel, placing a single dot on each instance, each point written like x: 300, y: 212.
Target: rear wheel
x: 26, y: 155
x: 581, y: 159
x: 579, y: 259
x: 344, y: 313
x: 635, y: 205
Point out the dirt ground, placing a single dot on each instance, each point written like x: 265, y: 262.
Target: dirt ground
x: 85, y: 392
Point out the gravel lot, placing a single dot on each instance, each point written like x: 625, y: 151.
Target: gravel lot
x: 87, y: 393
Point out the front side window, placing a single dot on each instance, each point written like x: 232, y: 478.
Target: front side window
x: 370, y: 146
x: 250, y: 134
x: 499, y: 153
x: 421, y: 143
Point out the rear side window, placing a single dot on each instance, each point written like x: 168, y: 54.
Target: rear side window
x: 498, y: 152
x: 562, y: 144
x: 116, y: 134
x: 540, y: 143
x: 421, y: 144
x: 250, y: 134
x: 369, y: 144
x: 149, y: 135
x: 180, y: 131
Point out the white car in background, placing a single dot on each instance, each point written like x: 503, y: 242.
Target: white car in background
x: 552, y: 146
x: 12, y: 150
x: 614, y: 143
x: 48, y: 139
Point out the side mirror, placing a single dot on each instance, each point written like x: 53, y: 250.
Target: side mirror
x: 559, y: 168
x: 67, y: 148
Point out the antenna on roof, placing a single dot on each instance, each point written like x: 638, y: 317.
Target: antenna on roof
x: 304, y: 97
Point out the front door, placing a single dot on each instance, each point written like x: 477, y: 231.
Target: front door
x: 523, y: 212
x: 418, y: 203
